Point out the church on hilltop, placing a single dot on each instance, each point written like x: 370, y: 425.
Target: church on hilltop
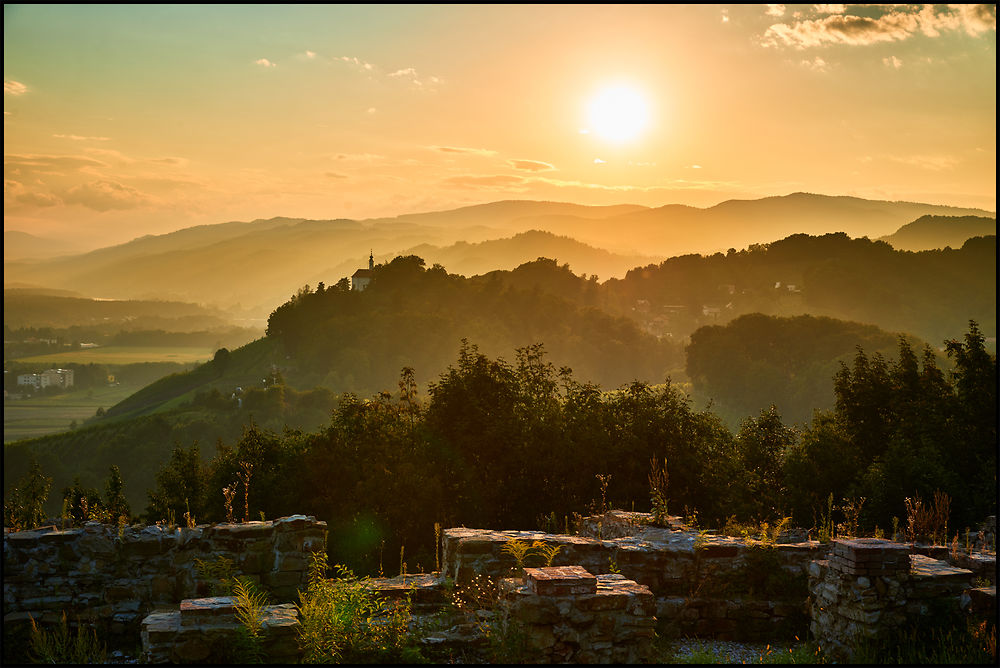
x: 362, y: 277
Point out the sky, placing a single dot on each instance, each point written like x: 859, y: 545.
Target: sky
x: 121, y: 120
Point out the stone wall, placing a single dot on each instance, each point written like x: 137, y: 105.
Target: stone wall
x: 869, y: 586
x: 669, y: 562
x: 705, y: 585
x: 568, y: 615
x: 114, y: 578
x: 204, y: 631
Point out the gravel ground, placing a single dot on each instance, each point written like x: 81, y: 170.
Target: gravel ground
x: 726, y: 651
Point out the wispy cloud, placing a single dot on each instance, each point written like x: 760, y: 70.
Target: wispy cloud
x: 410, y: 74
x: 80, y: 138
x: 357, y: 62
x: 898, y: 23
x: 264, y: 62
x: 675, y: 184
x: 310, y: 55
x: 170, y: 161
x: 15, y: 193
x: 775, y: 10
x: 531, y: 165
x: 816, y: 64
x: 934, y: 163
x: 893, y: 62
x: 462, y: 149
x: 830, y: 9
x: 105, y: 195
x: 11, y: 87
x: 513, y: 183
x: 359, y: 157
x: 48, y: 164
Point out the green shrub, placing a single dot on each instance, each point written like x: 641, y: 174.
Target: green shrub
x: 344, y: 621
x: 935, y: 640
x: 249, y: 603
x: 61, y: 646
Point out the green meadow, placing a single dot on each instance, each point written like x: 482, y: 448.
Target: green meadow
x: 125, y: 355
x: 41, y: 415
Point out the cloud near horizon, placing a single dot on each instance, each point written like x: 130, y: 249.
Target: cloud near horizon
x: 15, y: 192
x: 104, y: 195
x: 531, y: 165
x: 463, y: 149
x: 897, y: 24
x: 45, y: 164
x: 80, y: 138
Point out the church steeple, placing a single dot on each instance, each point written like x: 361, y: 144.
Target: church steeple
x: 371, y: 261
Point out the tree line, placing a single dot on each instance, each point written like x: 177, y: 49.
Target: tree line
x: 524, y: 444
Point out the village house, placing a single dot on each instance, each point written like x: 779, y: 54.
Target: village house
x: 48, y: 378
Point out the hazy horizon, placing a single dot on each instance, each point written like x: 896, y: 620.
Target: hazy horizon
x: 126, y: 121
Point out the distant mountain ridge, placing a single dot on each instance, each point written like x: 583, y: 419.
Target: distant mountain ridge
x: 929, y: 232
x: 255, y: 266
x: 19, y: 245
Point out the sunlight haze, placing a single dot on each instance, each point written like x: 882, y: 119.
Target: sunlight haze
x: 121, y: 121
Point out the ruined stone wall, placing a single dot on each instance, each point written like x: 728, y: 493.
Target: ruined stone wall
x: 568, y: 615
x: 203, y: 631
x: 713, y: 586
x: 97, y: 572
x: 870, y: 586
x: 669, y: 562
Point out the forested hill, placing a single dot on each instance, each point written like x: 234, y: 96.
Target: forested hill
x: 930, y: 294
x: 929, y: 232
x: 756, y: 361
x: 413, y: 316
x: 610, y: 333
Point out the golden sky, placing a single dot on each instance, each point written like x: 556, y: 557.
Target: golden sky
x: 121, y: 121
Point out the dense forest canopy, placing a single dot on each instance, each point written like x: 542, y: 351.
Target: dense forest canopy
x: 559, y: 379
x: 758, y: 360
x: 500, y: 444
x: 930, y: 294
x: 414, y: 316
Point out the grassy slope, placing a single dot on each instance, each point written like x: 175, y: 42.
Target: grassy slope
x: 38, y: 416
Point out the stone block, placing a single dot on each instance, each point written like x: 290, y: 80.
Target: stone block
x: 535, y: 610
x: 603, y: 601
x: 118, y: 592
x: 193, y: 650
x: 292, y: 562
x: 467, y: 546
x: 560, y: 581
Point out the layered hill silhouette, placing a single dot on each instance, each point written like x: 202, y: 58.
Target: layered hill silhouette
x: 252, y: 267
x: 610, y: 333
x: 929, y: 232
x: 23, y: 246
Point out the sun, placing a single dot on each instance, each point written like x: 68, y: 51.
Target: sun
x: 618, y: 114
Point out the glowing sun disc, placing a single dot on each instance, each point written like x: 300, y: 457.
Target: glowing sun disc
x: 618, y: 114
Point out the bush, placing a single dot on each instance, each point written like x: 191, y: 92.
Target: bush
x: 60, y: 646
x: 344, y: 621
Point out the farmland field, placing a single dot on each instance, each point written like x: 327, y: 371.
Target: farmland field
x: 41, y: 415
x: 125, y: 355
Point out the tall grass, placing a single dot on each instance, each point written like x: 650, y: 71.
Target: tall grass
x: 344, y: 621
